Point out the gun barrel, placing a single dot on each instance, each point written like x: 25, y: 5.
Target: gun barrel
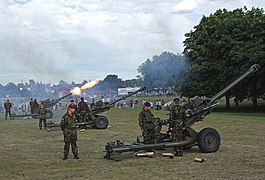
x: 153, y: 146
x: 57, y: 100
x: 252, y: 69
x: 129, y: 94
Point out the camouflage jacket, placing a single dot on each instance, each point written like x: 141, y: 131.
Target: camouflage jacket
x: 42, y: 113
x: 146, y: 119
x: 8, y: 105
x: 31, y: 104
x: 68, y: 122
x: 82, y: 106
x: 176, y: 114
x: 35, y: 105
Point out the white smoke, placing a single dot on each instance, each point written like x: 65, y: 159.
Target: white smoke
x: 185, y: 6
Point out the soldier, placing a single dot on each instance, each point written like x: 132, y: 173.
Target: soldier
x: 35, y: 106
x: 8, y: 107
x: 42, y: 112
x: 69, y: 131
x: 82, y: 109
x: 147, y: 124
x: 176, y: 117
x: 72, y: 102
x: 31, y: 104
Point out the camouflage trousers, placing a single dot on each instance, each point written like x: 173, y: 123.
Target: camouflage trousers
x: 67, y: 147
x: 8, y: 112
x: 149, y: 137
x: 176, y: 131
x: 42, y: 120
x: 70, y: 139
x: 82, y: 116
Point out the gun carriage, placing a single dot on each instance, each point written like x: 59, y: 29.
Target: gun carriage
x: 208, y: 139
x: 93, y: 115
x: 47, y: 104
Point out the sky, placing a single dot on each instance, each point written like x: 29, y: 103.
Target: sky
x: 77, y: 40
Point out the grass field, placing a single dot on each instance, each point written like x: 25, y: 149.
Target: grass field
x: 29, y: 153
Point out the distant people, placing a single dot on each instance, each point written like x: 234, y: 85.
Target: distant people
x: 82, y: 109
x: 92, y: 103
x: 69, y: 131
x: 8, y: 107
x: 157, y: 104
x: 31, y: 105
x: 136, y: 103
x: 131, y: 103
x: 147, y: 124
x: 151, y: 105
x: 176, y: 118
x: 42, y: 113
x: 163, y: 104
x: 76, y: 101
x: 35, y: 106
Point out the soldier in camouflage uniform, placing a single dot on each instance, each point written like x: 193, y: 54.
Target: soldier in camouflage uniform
x: 72, y: 102
x: 176, y: 117
x: 147, y: 124
x: 69, y: 131
x: 35, y: 106
x: 31, y: 104
x: 42, y: 112
x: 8, y: 107
x: 82, y: 109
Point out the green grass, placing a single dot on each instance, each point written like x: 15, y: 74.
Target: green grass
x: 29, y: 153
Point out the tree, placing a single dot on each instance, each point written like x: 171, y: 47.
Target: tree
x: 133, y: 82
x: 62, y: 82
x: 221, y: 48
x: 162, y: 71
x: 110, y: 82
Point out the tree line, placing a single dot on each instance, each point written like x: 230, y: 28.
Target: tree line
x: 218, y: 50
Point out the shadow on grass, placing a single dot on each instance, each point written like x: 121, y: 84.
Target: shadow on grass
x: 241, y: 109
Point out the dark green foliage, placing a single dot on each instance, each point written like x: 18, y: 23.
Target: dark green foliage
x: 162, y: 70
x: 133, y: 82
x: 221, y: 48
x: 110, y: 82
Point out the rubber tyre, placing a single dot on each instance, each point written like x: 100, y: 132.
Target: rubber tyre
x: 101, y: 122
x: 12, y: 116
x: 187, y: 147
x: 35, y: 117
x: 49, y: 114
x: 208, y: 140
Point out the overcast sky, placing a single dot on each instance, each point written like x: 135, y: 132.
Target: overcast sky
x: 76, y: 40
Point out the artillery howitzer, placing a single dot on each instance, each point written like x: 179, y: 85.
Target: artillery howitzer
x: 208, y: 139
x: 50, y: 103
x: 92, y: 117
x: 47, y: 104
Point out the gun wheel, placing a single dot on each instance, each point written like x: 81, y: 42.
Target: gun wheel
x: 209, y: 140
x: 49, y: 114
x: 101, y: 122
x: 12, y: 117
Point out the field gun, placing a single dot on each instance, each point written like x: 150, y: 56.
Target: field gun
x: 208, y: 139
x: 47, y: 104
x: 50, y: 103
x: 93, y: 117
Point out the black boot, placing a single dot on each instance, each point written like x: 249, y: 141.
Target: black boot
x: 76, y: 157
x: 179, y: 153
x: 65, y: 157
